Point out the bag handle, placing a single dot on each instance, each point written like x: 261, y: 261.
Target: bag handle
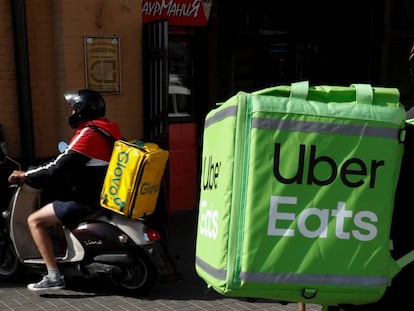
x: 364, y: 93
x: 299, y: 90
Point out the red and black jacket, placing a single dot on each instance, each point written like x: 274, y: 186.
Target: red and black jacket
x: 81, y: 168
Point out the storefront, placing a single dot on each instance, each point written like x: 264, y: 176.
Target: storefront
x: 174, y: 91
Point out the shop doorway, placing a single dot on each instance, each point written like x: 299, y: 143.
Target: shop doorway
x: 169, y: 109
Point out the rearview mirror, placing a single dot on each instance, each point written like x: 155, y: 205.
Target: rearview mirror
x: 62, y: 145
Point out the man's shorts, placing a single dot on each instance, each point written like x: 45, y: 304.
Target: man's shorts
x: 69, y: 212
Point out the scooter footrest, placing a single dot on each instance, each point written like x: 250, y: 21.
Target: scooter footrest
x: 34, y: 261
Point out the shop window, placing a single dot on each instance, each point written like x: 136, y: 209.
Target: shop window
x: 180, y: 95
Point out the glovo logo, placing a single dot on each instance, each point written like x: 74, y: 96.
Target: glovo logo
x: 117, y: 173
x: 146, y: 188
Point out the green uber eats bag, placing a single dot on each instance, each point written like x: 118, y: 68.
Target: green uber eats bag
x: 297, y: 193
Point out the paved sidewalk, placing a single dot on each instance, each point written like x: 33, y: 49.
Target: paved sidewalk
x: 17, y: 297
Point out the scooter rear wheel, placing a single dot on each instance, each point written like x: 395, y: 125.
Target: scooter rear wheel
x: 138, y: 278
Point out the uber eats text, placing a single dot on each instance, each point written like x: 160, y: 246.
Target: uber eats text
x: 351, y: 168
x: 312, y: 221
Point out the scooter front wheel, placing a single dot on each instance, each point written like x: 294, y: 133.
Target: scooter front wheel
x: 11, y: 268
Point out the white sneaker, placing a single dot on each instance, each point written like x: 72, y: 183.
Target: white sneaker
x: 47, y: 284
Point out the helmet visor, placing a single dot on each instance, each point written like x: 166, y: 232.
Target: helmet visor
x: 72, y: 98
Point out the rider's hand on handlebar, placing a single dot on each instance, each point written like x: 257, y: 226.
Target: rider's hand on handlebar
x: 17, y: 177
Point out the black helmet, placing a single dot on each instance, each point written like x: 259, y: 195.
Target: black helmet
x: 88, y: 105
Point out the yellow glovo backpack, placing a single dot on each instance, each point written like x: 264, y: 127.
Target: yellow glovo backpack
x: 133, y: 179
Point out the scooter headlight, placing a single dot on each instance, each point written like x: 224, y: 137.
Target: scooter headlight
x: 5, y: 214
x: 123, y: 238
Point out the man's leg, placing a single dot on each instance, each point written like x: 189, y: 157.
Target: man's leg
x: 39, y: 222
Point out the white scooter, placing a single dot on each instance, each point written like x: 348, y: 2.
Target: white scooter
x: 125, y: 251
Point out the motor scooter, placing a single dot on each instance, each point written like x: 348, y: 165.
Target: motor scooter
x: 128, y: 252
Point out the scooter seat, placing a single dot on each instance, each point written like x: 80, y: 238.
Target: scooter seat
x: 93, y: 215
